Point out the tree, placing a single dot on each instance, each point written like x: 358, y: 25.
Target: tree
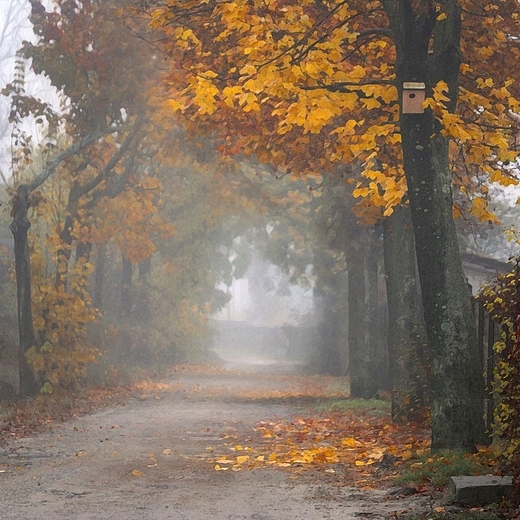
x: 353, y: 331
x: 20, y: 226
x: 308, y: 85
x: 98, y: 107
x: 13, y: 17
x: 408, y: 352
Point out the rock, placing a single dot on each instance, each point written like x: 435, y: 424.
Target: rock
x: 480, y: 490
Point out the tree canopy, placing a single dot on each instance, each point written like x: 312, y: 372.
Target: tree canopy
x: 282, y: 79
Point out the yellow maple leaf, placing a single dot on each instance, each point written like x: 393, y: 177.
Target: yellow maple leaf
x: 350, y: 442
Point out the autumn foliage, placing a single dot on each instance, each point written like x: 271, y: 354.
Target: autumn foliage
x: 282, y: 79
x: 310, y: 88
x: 502, y: 300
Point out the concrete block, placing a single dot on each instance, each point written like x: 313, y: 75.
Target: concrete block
x: 480, y: 490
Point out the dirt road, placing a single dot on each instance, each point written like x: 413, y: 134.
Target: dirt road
x: 148, y: 460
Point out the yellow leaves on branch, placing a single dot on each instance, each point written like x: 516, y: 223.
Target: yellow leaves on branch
x: 380, y: 190
x: 61, y: 319
x: 273, y: 70
x: 204, y: 94
x: 480, y: 209
x: 481, y: 129
x: 311, y: 112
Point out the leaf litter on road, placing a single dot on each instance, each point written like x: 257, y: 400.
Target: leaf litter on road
x: 358, y: 445
x: 353, y: 443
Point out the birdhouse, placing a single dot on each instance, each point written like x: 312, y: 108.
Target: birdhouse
x: 414, y: 94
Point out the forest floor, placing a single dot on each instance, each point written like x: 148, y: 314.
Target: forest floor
x: 214, y: 444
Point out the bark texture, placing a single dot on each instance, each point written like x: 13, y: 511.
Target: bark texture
x: 407, y: 343
x: 20, y: 227
x: 456, y: 374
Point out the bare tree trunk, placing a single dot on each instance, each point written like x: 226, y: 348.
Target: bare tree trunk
x: 20, y: 227
x: 99, y: 276
x: 126, y: 286
x: 364, y: 368
x: 406, y: 333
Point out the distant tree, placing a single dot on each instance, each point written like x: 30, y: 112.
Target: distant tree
x: 13, y: 23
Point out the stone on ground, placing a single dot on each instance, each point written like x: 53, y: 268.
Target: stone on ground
x: 480, y: 490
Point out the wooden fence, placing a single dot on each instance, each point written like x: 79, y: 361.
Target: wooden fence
x: 488, y: 332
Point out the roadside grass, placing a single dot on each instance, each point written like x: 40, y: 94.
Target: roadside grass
x: 432, y: 469
x: 471, y: 514
x: 367, y: 406
x: 435, y: 469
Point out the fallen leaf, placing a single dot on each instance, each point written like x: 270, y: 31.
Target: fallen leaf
x: 137, y: 473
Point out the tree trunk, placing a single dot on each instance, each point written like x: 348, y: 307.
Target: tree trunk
x: 99, y: 276
x: 83, y: 251
x: 145, y: 267
x: 126, y: 286
x: 328, y: 358
x: 406, y: 333
x: 19, y: 227
x: 456, y: 383
x: 365, y: 376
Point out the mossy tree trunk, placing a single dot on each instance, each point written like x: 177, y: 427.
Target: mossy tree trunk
x: 428, y: 52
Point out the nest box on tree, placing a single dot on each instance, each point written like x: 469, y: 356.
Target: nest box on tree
x: 414, y: 94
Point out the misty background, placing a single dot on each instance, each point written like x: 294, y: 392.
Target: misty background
x: 257, y: 270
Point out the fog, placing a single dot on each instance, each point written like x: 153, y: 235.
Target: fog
x: 206, y: 240
x: 174, y: 253
x: 267, y: 323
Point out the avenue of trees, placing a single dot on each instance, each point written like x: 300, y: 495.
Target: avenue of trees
x: 313, y: 85
x: 186, y: 124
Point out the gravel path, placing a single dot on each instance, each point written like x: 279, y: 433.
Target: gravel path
x: 146, y: 460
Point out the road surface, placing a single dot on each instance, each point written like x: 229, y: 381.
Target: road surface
x: 148, y: 459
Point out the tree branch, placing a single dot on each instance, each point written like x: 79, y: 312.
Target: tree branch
x: 71, y: 150
x: 347, y: 86
x: 111, y: 163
